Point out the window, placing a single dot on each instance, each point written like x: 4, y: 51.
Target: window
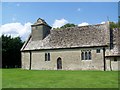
x: 98, y: 51
x: 47, y: 56
x: 89, y: 55
x: 82, y: 56
x: 115, y: 59
x: 86, y: 55
x: 36, y: 27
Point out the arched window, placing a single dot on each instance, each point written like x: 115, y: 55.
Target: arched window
x: 48, y: 56
x: 89, y: 55
x: 45, y: 56
x: 82, y: 56
x: 86, y: 55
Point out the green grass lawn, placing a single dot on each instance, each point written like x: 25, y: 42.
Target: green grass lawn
x: 0, y: 79
x: 18, y: 78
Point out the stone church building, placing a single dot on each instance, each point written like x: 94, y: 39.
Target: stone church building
x: 92, y: 47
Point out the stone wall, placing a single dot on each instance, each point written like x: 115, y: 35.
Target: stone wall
x: 25, y: 60
x: 39, y: 32
x: 71, y: 60
x: 111, y: 64
x: 114, y: 47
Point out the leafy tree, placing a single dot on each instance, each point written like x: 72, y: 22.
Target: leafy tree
x: 119, y: 21
x: 115, y: 25
x: 68, y: 25
x: 11, y: 56
x: 0, y: 52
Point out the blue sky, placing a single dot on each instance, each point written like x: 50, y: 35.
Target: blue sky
x: 74, y: 12
x: 26, y: 13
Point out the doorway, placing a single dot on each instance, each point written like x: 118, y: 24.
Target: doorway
x: 59, y: 63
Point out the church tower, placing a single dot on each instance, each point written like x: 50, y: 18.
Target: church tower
x: 40, y: 30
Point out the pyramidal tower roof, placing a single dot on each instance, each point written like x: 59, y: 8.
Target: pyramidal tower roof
x: 40, y: 21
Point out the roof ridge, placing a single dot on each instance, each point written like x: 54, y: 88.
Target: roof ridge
x: 78, y: 26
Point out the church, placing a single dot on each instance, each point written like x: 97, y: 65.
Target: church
x: 91, y: 47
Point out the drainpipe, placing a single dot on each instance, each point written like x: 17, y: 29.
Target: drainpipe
x: 30, y: 60
x: 104, y: 59
x: 110, y: 65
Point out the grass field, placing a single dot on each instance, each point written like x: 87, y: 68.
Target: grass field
x: 18, y: 78
x: 0, y: 78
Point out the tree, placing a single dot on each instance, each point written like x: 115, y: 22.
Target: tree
x: 11, y: 56
x: 114, y: 25
x: 68, y: 25
x: 0, y: 52
x: 119, y: 21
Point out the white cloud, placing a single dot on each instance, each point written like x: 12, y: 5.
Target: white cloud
x: 83, y: 24
x: 59, y: 23
x: 103, y: 22
x: 16, y: 29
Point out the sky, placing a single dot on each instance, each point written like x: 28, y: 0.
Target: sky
x: 17, y: 17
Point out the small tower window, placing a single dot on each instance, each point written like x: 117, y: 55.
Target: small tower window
x: 36, y: 27
x: 115, y: 59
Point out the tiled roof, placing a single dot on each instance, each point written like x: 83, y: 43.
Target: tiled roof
x: 40, y: 21
x: 84, y: 36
